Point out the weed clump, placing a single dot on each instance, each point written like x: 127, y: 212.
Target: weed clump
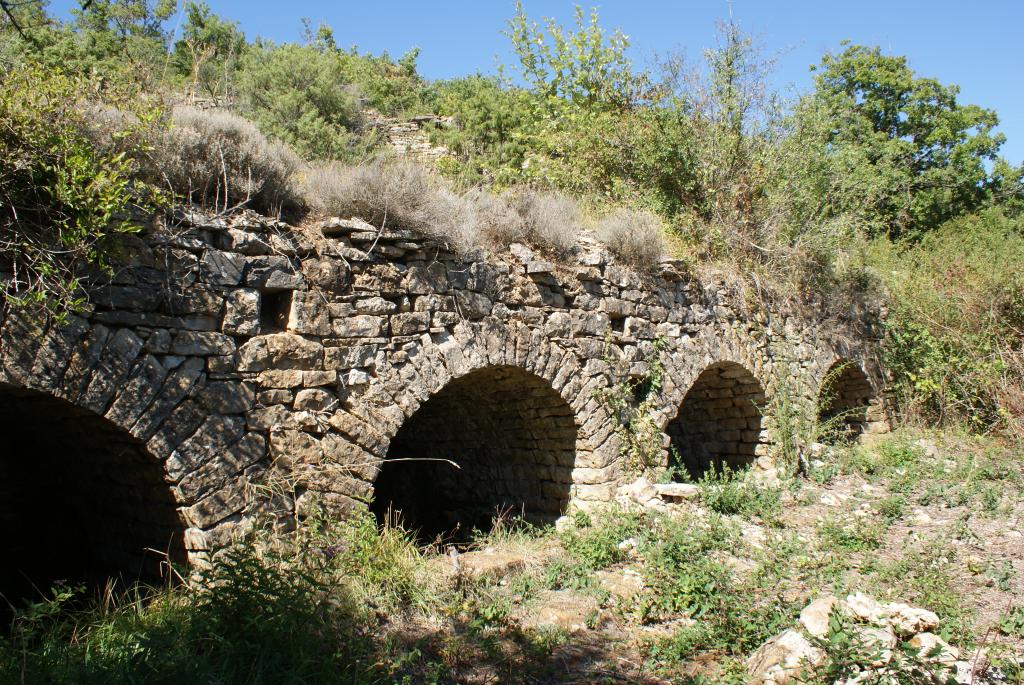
x: 596, y: 540
x: 730, y: 492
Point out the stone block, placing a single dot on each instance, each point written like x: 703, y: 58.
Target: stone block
x: 355, y: 356
x: 279, y: 351
x: 472, y: 305
x: 272, y: 273
x: 241, y: 312
x: 362, y: 326
x: 308, y: 314
x: 410, y: 324
x: 201, y: 343
x: 426, y: 280
x: 221, y: 268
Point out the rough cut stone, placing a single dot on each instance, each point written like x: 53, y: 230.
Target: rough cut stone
x: 781, y: 659
x: 200, y: 343
x: 374, y: 337
x: 279, y: 351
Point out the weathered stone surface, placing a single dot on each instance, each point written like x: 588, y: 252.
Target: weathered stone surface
x: 371, y: 341
x: 279, y: 351
x: 427, y: 280
x: 360, y: 327
x: 222, y: 268
x: 227, y: 397
x: 408, y: 324
x: 242, y: 312
x: 308, y: 314
x: 781, y: 659
x: 331, y: 275
x: 200, y: 344
x: 814, y: 616
x: 272, y: 273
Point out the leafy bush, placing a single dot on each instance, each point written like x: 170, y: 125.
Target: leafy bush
x: 636, y: 237
x: 855, y: 534
x: 953, y: 334
x: 594, y: 541
x: 256, y: 616
x: 492, y: 128
x: 301, y: 95
x: 731, y: 492
x: 680, y: 573
x: 64, y: 202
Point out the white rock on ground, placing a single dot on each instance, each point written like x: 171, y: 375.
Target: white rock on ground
x: 907, y: 620
x: 781, y: 659
x: 933, y: 648
x: 814, y: 616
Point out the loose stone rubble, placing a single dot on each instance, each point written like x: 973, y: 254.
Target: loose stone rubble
x: 892, y: 637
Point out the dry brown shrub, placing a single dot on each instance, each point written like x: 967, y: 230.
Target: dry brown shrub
x: 221, y: 160
x: 550, y: 221
x: 498, y: 222
x: 636, y: 237
x: 392, y: 194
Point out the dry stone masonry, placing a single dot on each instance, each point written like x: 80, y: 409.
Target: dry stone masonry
x: 238, y: 366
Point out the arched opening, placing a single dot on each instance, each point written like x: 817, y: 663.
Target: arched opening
x: 514, y: 441
x: 719, y: 421
x: 81, y: 501
x: 843, y: 401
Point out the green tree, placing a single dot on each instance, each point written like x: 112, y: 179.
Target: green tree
x: 585, y: 66
x: 62, y: 202
x: 208, y: 50
x: 301, y: 95
x: 918, y: 156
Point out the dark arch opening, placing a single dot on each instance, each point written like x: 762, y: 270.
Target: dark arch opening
x: 514, y: 439
x: 81, y: 500
x: 719, y: 421
x: 843, y: 401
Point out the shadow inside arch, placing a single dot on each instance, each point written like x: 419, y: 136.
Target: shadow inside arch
x: 843, y: 402
x: 498, y: 440
x: 81, y: 501
x: 719, y: 422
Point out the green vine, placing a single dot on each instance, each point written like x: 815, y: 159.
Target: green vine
x: 633, y: 402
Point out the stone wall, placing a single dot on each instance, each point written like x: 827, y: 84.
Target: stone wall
x: 262, y: 367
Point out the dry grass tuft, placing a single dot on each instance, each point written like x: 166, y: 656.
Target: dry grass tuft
x: 496, y: 220
x: 636, y: 237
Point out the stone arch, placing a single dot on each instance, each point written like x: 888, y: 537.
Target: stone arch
x: 433, y: 361
x: 843, y: 400
x: 81, y: 500
x: 123, y: 439
x: 719, y: 421
x: 513, y: 438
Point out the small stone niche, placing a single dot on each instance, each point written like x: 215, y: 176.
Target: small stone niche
x: 275, y: 307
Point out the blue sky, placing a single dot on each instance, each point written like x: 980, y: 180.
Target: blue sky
x: 975, y: 45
